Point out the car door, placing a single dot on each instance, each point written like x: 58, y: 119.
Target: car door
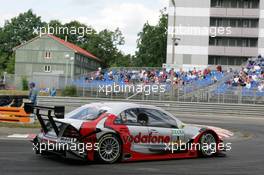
x: 162, y: 129
x: 136, y: 131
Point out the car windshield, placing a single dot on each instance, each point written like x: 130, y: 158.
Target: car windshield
x: 84, y: 113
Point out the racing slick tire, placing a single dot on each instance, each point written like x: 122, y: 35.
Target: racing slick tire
x: 208, y: 145
x: 109, y: 149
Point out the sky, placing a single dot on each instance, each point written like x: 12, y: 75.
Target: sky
x: 128, y: 15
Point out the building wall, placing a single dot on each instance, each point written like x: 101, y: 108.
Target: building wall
x: 83, y: 65
x: 33, y: 57
x: 197, y: 48
x: 192, y: 47
x: 261, y: 28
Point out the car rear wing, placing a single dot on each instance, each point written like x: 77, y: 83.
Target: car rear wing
x: 48, y: 112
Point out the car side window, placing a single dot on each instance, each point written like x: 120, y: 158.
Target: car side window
x: 157, y: 118
x: 128, y: 117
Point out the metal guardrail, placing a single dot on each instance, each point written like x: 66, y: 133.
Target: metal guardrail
x: 192, y: 108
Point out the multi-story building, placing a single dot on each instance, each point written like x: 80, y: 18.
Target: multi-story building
x: 52, y: 62
x: 235, y: 31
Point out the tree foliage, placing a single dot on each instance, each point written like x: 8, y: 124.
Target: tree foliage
x: 15, y: 32
x: 104, y: 44
x: 152, y: 43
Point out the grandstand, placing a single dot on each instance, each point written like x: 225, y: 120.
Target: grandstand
x: 248, y: 83
x: 243, y: 85
x: 183, y: 81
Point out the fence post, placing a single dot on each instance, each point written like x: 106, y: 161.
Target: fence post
x: 97, y: 92
x: 184, y: 94
x: 83, y: 88
x: 240, y: 96
x: 178, y: 91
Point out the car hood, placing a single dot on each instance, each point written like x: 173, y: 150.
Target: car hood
x: 193, y: 130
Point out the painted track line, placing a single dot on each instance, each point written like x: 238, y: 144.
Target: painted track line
x: 18, y: 137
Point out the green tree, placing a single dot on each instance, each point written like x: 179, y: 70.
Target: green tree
x: 15, y: 32
x: 152, y: 43
x: 105, y: 45
x: 123, y: 61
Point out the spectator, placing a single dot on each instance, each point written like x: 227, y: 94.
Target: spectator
x: 261, y: 87
x: 99, y: 74
x: 248, y: 84
x: 33, y: 93
x: 53, y: 92
x: 236, y: 81
x: 219, y: 68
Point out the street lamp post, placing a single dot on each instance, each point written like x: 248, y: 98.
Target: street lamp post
x: 174, y: 30
x: 67, y: 64
x: 68, y: 58
x: 174, y: 38
x: 72, y: 66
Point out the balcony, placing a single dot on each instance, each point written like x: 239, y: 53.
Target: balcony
x: 234, y: 12
x: 240, y: 32
x: 233, y: 51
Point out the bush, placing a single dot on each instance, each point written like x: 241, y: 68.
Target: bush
x: 24, y: 84
x: 69, y: 91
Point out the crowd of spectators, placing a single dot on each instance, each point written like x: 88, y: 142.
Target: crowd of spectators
x: 155, y: 76
x: 251, y: 76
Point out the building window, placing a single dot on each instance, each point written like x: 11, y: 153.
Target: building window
x: 47, y: 68
x: 47, y: 55
x: 233, y: 42
x: 235, y: 3
x: 229, y: 22
x: 226, y: 60
x: 216, y: 3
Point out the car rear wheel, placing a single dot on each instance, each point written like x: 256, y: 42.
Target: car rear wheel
x: 109, y: 149
x: 208, y: 145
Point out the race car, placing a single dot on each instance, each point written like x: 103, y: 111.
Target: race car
x: 118, y: 131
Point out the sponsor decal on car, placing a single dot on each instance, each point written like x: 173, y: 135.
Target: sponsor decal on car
x: 147, y: 139
x: 68, y: 139
x: 177, y: 132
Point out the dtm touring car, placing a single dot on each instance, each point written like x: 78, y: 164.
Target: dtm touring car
x: 111, y: 132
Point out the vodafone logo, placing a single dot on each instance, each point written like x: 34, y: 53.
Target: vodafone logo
x: 140, y: 138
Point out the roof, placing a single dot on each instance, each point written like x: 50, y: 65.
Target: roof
x: 74, y: 47
x: 71, y: 46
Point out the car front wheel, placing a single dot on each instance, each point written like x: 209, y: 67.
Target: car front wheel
x: 208, y: 145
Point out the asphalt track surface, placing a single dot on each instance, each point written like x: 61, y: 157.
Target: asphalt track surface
x: 246, y: 157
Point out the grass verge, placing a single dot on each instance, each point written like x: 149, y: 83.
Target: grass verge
x: 20, y: 125
x: 13, y: 92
